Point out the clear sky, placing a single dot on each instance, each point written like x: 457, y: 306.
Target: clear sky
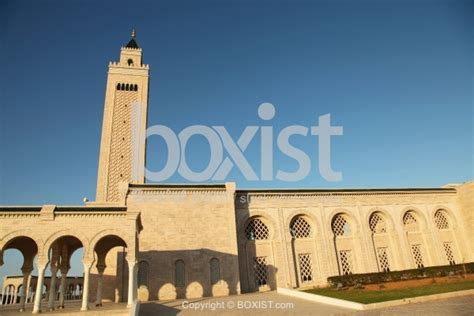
x: 397, y: 75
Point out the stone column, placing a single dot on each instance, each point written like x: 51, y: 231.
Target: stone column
x: 28, y: 289
x: 7, y: 295
x: 64, y: 267
x: 4, y: 296
x: 85, y: 287
x: 29, y: 292
x: 15, y: 295
x: 3, y: 293
x: 52, y: 286
x: 24, y: 288
x: 39, y: 287
x: 100, y: 269
x: 12, y: 295
x: 132, y: 281
x: 62, y: 288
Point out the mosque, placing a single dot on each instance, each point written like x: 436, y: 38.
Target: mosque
x: 146, y: 241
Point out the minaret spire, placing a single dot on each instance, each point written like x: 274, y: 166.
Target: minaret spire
x: 132, y: 43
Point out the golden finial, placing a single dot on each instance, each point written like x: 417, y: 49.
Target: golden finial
x: 133, y: 33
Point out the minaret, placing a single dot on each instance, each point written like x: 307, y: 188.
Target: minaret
x: 122, y: 148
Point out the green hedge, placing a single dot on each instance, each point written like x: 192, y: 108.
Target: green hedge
x: 379, y: 277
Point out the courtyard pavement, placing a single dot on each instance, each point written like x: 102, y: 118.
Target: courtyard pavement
x: 70, y: 309
x: 261, y: 304
x: 274, y: 304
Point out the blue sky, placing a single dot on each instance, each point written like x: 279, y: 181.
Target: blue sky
x: 397, y: 75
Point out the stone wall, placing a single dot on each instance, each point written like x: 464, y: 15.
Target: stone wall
x: 360, y: 249
x: 466, y: 205
x: 193, y: 224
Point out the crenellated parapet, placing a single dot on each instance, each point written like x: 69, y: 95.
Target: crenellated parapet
x: 113, y: 64
x: 133, y: 49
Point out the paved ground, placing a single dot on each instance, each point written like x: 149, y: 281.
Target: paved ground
x: 261, y: 304
x: 274, y: 304
x: 462, y: 306
x: 71, y: 308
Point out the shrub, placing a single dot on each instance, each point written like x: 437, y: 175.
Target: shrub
x: 379, y: 277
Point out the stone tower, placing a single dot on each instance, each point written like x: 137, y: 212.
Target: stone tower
x: 122, y: 148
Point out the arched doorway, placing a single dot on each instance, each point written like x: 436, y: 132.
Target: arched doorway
x: 17, y: 247
x: 115, y: 246
x: 60, y: 254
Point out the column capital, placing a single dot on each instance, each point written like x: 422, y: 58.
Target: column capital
x: 87, y: 266
x: 87, y: 262
x: 26, y: 269
x: 132, y: 260
x: 42, y: 262
x: 101, y: 268
x: 54, y: 267
x: 64, y: 268
x: 55, y: 259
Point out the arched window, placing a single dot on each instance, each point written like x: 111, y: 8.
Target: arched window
x: 135, y: 88
x: 179, y: 273
x: 340, y: 225
x: 127, y: 87
x: 123, y: 87
x: 142, y: 274
x: 130, y: 62
x: 257, y: 230
x: 215, y: 271
x: 410, y: 222
x: 441, y: 219
x: 377, y: 223
x: 300, y: 228
x: 118, y: 86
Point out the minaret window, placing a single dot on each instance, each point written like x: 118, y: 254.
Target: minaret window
x: 127, y: 87
x: 130, y: 62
